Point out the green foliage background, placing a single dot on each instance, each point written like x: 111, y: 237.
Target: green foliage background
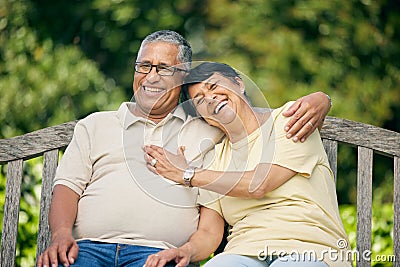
x: 61, y: 60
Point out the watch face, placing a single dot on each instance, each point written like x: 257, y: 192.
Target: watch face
x: 188, y: 173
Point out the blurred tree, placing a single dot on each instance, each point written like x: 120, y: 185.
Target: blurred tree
x: 349, y: 49
x: 63, y: 60
x: 109, y: 32
x: 44, y: 83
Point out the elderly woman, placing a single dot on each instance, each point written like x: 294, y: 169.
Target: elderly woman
x: 278, y: 196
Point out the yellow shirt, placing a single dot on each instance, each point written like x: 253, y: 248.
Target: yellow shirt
x: 300, y: 216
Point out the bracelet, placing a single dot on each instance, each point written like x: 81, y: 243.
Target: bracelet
x: 330, y: 100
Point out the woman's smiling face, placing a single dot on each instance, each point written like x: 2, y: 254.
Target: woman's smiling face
x: 218, y: 99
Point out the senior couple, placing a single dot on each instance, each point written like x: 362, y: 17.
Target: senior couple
x: 151, y: 185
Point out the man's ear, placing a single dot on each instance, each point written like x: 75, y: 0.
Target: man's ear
x: 241, y: 84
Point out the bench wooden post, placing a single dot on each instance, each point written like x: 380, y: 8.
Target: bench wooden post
x: 49, y: 171
x: 396, y: 208
x: 331, y: 151
x: 364, y: 203
x: 11, y: 213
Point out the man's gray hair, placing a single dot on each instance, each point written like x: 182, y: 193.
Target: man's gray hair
x: 171, y: 37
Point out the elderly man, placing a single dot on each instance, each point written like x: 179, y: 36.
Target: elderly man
x: 106, y: 204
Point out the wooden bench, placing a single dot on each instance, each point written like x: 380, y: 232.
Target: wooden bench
x: 47, y: 142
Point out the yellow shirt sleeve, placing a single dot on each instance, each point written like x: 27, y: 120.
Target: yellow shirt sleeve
x: 297, y: 156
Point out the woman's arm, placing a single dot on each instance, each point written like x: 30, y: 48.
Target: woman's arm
x: 251, y: 184
x: 200, y: 245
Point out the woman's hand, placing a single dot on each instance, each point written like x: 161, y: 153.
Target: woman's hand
x: 307, y: 113
x: 165, y: 163
x: 179, y: 255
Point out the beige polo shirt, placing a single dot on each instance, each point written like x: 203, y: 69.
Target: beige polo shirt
x: 121, y: 201
x: 301, y: 216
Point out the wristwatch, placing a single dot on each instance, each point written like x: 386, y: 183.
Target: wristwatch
x: 188, y: 176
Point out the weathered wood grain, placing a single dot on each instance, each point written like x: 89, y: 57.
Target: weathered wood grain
x: 396, y: 208
x: 331, y: 151
x: 49, y: 171
x: 359, y: 134
x: 35, y: 143
x: 354, y: 133
x: 364, y: 202
x: 11, y: 213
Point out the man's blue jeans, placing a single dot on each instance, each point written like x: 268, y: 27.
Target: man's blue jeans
x: 98, y: 254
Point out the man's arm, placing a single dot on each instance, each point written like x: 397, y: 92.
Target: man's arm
x: 308, y: 113
x: 200, y: 245
x: 63, y: 209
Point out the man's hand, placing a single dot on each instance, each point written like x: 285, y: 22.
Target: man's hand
x: 308, y: 113
x: 179, y: 255
x: 63, y: 249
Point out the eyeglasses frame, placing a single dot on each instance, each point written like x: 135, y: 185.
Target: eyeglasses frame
x: 157, y: 70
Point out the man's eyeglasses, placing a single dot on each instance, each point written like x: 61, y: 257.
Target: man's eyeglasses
x: 162, y: 70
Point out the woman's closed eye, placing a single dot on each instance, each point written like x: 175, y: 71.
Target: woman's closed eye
x: 199, y: 100
x: 212, y: 86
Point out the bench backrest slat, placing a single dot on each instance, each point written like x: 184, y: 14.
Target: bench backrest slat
x: 364, y: 202
x: 33, y: 144
x: 355, y: 133
x: 396, y: 207
x: 331, y: 151
x: 11, y: 213
x: 50, y: 163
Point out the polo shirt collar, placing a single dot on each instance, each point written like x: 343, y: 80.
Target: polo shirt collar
x: 126, y: 117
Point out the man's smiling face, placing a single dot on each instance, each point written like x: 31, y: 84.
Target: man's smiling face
x: 156, y: 96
